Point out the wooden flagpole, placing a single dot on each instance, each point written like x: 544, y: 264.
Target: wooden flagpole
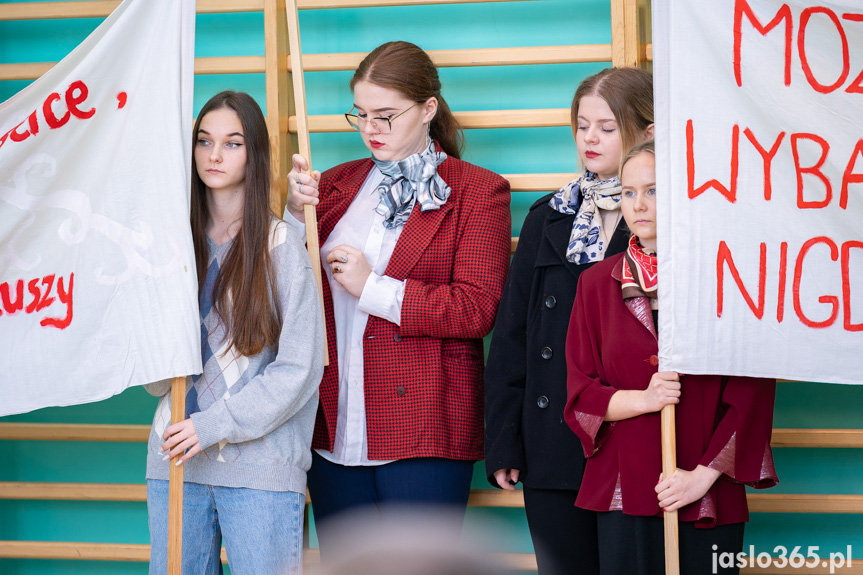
x: 669, y: 466
x: 299, y: 85
x: 175, y: 484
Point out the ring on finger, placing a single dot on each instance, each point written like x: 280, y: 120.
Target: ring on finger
x: 343, y: 259
x: 337, y: 269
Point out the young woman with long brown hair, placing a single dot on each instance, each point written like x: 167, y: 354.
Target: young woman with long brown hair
x: 250, y: 415
x: 416, y: 244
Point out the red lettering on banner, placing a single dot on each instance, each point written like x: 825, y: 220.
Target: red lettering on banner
x: 849, y: 177
x: 72, y: 100
x: 723, y: 258
x: 8, y: 304
x: 33, y: 288
x: 814, y: 170
x: 731, y: 191
x: 48, y: 111
x: 780, y: 293
x: 40, y: 298
x: 766, y: 157
x: 801, y: 48
x: 742, y: 7
x: 48, y: 282
x: 846, y: 286
x: 856, y: 85
x: 75, y: 95
x: 65, y: 296
x: 795, y: 289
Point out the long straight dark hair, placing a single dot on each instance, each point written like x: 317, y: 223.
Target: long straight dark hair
x: 244, y: 290
x: 406, y: 68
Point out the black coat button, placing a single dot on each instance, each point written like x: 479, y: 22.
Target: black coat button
x: 546, y: 353
x: 400, y: 390
x: 542, y: 401
x: 550, y: 302
x: 397, y: 337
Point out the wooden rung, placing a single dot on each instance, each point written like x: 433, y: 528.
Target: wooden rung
x: 469, y: 57
x: 68, y: 550
x: 220, y: 65
x: 823, y: 438
x: 28, y: 71
x: 552, y: 117
x: 326, y: 4
x: 141, y: 552
x: 73, y: 432
x: 849, y: 438
x: 495, y: 498
x: 758, y: 502
x: 73, y: 491
x: 788, y: 503
x: 537, y: 182
x: 102, y: 8
x: 231, y: 65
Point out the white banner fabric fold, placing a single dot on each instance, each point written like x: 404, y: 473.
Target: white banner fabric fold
x: 759, y: 131
x: 98, y: 290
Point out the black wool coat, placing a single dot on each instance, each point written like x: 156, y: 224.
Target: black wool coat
x: 525, y: 376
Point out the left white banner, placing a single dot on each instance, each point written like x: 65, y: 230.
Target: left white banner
x: 97, y: 271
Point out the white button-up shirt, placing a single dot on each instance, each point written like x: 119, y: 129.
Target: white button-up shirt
x: 361, y: 227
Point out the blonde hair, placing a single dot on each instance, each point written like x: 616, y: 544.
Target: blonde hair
x: 646, y: 147
x: 628, y: 93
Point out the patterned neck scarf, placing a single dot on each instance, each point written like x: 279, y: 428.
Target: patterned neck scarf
x: 639, y: 273
x: 585, y: 246
x: 414, y: 179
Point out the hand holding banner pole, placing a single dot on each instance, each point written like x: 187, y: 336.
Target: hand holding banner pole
x: 292, y: 15
x: 175, y: 483
x: 669, y: 466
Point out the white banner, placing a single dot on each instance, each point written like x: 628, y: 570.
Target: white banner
x: 97, y: 276
x: 760, y: 177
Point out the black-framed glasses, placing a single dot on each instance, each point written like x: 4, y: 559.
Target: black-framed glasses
x: 383, y: 125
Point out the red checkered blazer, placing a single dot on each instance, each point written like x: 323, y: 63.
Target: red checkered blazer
x: 423, y: 379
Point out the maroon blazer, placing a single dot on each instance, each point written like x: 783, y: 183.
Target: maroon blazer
x: 722, y: 422
x: 423, y: 379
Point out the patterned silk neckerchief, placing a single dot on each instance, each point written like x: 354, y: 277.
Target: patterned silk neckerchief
x: 414, y: 179
x: 639, y: 273
x: 585, y: 246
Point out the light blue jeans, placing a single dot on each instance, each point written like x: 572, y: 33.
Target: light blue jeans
x: 263, y: 530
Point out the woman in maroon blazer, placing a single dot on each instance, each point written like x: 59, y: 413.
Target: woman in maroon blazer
x: 615, y: 394
x: 416, y: 244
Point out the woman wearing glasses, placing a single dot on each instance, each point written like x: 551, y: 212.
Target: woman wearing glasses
x: 416, y: 244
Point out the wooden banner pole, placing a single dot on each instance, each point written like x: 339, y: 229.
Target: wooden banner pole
x: 175, y: 484
x: 299, y: 85
x: 669, y: 466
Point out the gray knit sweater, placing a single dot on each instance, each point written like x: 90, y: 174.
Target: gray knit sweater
x: 254, y: 416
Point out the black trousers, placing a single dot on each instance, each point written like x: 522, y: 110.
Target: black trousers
x: 564, y: 536
x: 634, y: 545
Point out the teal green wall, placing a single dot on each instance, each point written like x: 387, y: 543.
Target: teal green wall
x: 545, y: 22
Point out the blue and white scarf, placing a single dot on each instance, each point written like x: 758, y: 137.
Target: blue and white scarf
x: 414, y: 179
x: 585, y: 246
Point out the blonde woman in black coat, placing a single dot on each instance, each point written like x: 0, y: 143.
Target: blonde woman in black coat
x: 527, y: 439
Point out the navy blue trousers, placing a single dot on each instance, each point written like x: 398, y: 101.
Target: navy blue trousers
x: 426, y: 481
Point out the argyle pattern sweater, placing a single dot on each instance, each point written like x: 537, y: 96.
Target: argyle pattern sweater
x: 254, y: 416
